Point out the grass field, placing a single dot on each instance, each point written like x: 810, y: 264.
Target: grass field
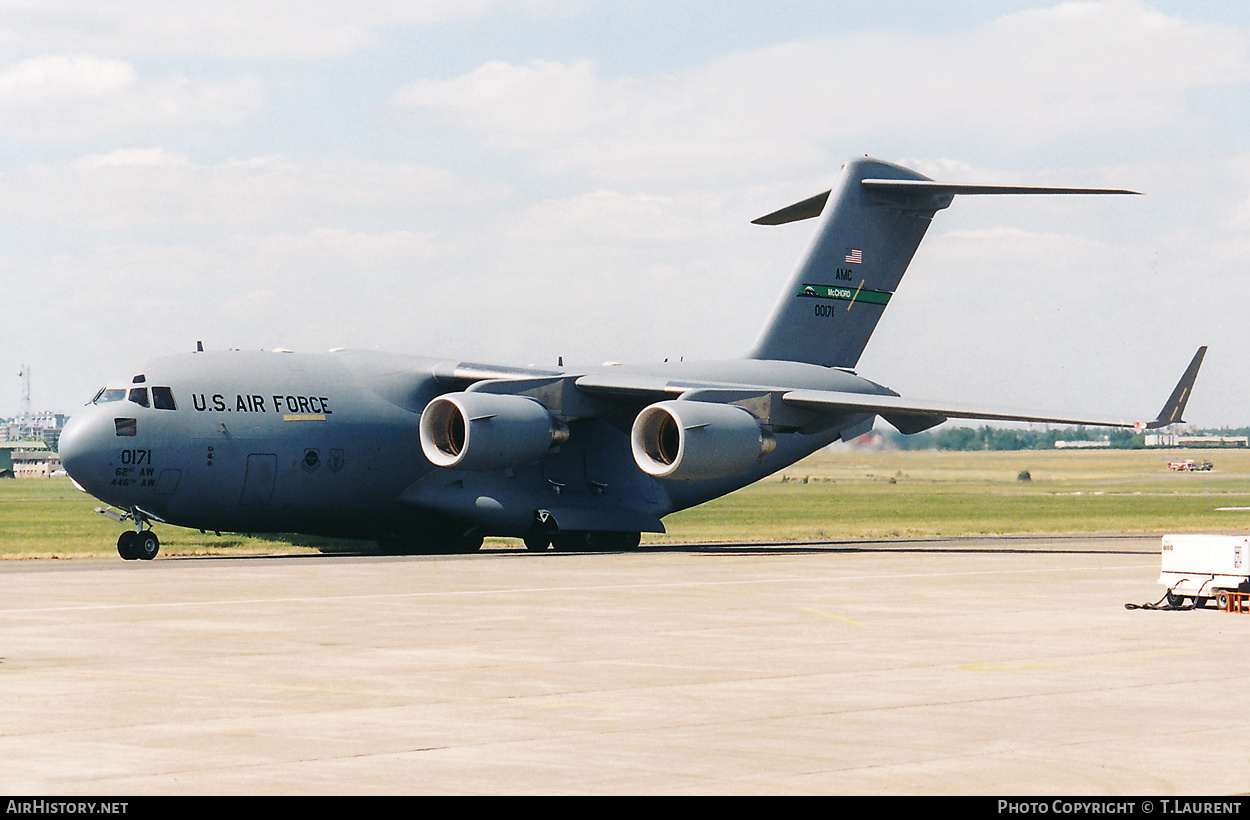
x: 836, y: 494
x: 848, y: 494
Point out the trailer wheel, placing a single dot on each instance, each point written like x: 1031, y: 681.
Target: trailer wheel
x: 1175, y: 600
x: 1221, y: 601
x: 1200, y: 603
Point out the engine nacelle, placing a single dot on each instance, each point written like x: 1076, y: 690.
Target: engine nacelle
x: 694, y: 440
x: 487, y: 431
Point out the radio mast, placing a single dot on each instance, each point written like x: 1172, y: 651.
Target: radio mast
x: 25, y: 422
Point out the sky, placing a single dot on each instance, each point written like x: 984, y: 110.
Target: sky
x: 519, y: 181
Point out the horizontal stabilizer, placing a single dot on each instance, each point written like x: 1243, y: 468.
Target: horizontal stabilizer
x: 926, y: 187
x: 809, y: 208
x: 918, y: 194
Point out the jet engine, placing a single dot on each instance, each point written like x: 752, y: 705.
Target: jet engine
x: 694, y: 440
x: 487, y: 431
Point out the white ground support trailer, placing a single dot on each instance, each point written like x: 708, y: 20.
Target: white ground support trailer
x: 1202, y: 567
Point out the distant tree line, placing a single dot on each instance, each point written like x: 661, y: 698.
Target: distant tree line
x: 1005, y: 438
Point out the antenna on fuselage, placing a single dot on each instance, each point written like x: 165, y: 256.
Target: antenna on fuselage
x: 199, y: 347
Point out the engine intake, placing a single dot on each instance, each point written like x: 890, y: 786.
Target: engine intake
x: 487, y: 431
x: 694, y: 440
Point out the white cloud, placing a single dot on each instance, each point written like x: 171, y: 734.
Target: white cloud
x: 54, y: 97
x: 146, y: 189
x: 1035, y: 77
x: 613, y: 217
x: 133, y: 158
x: 532, y: 101
x: 236, y: 29
x: 621, y: 227
x: 343, y: 251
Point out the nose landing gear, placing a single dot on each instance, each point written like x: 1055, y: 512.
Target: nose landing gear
x: 132, y: 545
x: 137, y: 544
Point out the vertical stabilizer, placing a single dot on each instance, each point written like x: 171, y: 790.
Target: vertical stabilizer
x: 862, y: 247
x: 871, y: 223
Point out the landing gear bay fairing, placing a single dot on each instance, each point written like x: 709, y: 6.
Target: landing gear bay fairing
x: 426, y: 455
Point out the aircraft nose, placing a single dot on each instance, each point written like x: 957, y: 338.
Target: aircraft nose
x: 83, y: 446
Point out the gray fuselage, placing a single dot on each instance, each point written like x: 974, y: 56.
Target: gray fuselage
x: 328, y: 444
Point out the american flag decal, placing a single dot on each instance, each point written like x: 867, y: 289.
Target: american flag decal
x: 854, y: 256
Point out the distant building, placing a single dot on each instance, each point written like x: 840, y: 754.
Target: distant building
x: 27, y: 459
x: 1176, y: 440
x: 45, y: 425
x: 36, y: 464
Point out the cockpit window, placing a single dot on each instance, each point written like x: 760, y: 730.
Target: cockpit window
x: 109, y: 394
x: 163, y: 398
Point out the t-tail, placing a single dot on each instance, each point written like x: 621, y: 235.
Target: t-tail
x: 871, y: 223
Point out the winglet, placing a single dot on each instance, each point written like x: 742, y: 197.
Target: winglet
x: 1175, y: 406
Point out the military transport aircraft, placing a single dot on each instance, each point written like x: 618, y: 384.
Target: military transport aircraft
x: 426, y: 455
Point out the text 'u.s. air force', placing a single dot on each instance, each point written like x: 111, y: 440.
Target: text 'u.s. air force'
x: 259, y: 403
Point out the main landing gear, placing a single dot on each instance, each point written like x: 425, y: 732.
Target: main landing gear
x: 544, y: 534
x: 583, y: 541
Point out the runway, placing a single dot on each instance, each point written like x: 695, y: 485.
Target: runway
x: 963, y: 666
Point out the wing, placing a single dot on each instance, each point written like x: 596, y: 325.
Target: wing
x: 687, y: 430
x: 908, y: 415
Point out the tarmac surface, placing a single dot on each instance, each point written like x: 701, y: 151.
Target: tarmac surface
x: 996, y: 666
